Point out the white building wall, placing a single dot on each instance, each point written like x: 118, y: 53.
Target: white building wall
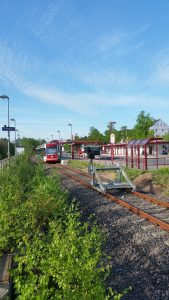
x: 160, y: 128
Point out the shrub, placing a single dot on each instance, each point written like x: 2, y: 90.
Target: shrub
x: 57, y: 257
x: 62, y: 264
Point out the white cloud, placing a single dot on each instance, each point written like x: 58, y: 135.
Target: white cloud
x: 54, y: 23
x: 81, y: 102
x: 108, y: 41
x: 160, y: 69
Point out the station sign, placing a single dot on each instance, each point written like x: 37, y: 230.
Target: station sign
x: 8, y: 128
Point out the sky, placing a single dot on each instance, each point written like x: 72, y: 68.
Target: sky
x: 87, y: 63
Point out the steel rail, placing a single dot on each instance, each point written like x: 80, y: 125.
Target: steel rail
x: 76, y: 170
x: 151, y: 199
x: 138, y: 194
x: 164, y: 225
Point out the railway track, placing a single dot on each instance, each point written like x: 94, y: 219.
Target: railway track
x: 147, y: 207
x: 139, y: 250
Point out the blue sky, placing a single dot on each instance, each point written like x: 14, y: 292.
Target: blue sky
x: 83, y: 62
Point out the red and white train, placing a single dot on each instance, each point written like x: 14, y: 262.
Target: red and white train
x: 50, y: 152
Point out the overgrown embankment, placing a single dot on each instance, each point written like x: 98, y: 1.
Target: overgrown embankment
x: 56, y: 256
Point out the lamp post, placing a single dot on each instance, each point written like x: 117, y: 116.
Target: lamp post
x: 59, y: 135
x: 52, y: 137
x: 71, y: 137
x: 13, y: 120
x: 111, y: 125
x: 18, y: 138
x: 7, y: 98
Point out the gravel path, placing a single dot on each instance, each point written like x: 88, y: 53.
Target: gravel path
x: 139, y: 251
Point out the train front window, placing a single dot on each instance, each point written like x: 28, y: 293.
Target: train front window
x: 51, y: 150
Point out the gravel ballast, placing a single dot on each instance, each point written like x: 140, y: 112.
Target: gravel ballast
x: 139, y: 250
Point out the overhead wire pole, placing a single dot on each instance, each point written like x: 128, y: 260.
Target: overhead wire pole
x: 6, y: 97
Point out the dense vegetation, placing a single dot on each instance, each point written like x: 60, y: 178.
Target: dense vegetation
x: 56, y: 256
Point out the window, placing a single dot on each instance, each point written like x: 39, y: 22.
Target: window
x: 51, y: 150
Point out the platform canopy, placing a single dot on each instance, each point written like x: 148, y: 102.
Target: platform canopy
x: 142, y: 142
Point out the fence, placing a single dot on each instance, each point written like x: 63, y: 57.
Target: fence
x: 4, y: 163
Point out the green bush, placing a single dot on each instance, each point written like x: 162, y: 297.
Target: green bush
x: 62, y: 264
x: 15, y: 180
x: 56, y: 256
x: 24, y: 170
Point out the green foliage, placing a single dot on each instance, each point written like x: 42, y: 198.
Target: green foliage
x: 143, y: 123
x: 141, y: 130
x: 160, y: 178
x: 133, y: 173
x: 24, y: 170
x: 67, y: 147
x: 166, y: 136
x: 4, y: 148
x: 30, y: 144
x: 62, y: 264
x: 15, y: 182
x: 78, y: 164
x: 57, y: 257
x: 95, y: 135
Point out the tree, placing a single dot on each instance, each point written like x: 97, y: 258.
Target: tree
x: 166, y: 136
x: 123, y: 133
x: 4, y: 148
x: 30, y: 144
x: 143, y: 123
x: 95, y: 135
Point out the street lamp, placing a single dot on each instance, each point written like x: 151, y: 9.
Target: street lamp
x: 71, y: 137
x: 111, y: 125
x: 13, y: 120
x: 71, y: 130
x: 7, y: 98
x: 59, y: 135
x: 18, y: 138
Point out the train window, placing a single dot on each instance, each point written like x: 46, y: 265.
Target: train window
x: 51, y: 150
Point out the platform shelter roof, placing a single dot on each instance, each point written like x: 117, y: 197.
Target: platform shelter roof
x: 143, y: 142
x: 140, y: 142
x: 78, y: 142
